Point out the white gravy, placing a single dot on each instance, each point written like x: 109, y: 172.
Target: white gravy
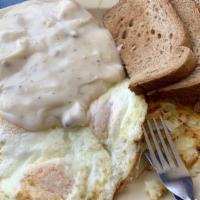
x: 54, y: 62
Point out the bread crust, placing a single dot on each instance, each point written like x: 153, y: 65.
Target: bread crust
x: 190, y: 86
x: 155, y: 45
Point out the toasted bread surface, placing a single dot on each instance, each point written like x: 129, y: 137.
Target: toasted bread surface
x: 155, y: 47
x: 190, y: 15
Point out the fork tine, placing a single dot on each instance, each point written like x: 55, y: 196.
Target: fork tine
x: 169, y: 139
x: 164, y: 163
x: 166, y: 151
x: 151, y: 151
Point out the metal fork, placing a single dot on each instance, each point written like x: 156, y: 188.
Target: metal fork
x: 147, y: 155
x: 166, y: 160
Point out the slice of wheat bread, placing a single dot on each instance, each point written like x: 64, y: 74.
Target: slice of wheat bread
x: 190, y: 86
x: 154, y: 44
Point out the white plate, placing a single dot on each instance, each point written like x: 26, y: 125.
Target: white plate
x: 136, y: 190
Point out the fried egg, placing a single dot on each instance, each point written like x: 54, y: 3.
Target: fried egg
x: 74, y: 163
x: 62, y: 82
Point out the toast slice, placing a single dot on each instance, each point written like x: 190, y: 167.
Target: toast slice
x: 155, y: 47
x: 190, y: 86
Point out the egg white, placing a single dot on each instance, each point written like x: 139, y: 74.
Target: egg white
x: 85, y: 163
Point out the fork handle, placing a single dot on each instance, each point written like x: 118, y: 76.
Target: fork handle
x: 149, y: 159
x: 177, y: 198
